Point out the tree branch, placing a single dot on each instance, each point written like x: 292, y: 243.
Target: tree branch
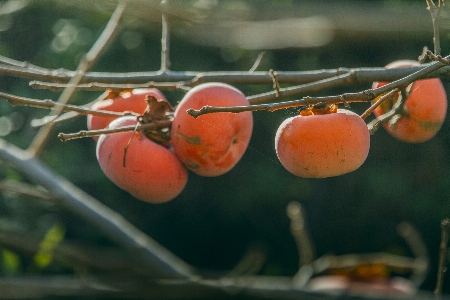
x: 147, y: 255
x: 39, y: 141
x: 363, y: 96
x: 50, y: 104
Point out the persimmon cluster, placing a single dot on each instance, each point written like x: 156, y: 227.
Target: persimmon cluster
x: 153, y: 166
x: 324, y: 142
x: 319, y: 142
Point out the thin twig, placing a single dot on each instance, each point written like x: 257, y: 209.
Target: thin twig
x: 300, y: 233
x: 445, y: 232
x: 50, y: 104
x: 275, y: 83
x: 415, y: 242
x: 257, y: 62
x: 24, y: 189
x: 99, y: 86
x: 90, y: 133
x: 165, y: 40
x: 86, y: 62
x: 378, y: 103
x: 435, y: 18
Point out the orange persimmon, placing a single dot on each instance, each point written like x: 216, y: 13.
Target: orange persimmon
x: 148, y: 171
x: 423, y: 111
x: 133, y: 101
x: 211, y: 144
x: 322, y: 145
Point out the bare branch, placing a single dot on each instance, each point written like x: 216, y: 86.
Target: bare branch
x: 419, y: 250
x: 257, y: 62
x: 435, y: 18
x: 300, y: 233
x: 378, y: 103
x: 50, y: 104
x: 445, y: 232
x: 86, y: 62
x: 90, y: 133
x: 363, y: 96
x: 165, y: 40
x: 99, y: 86
x: 147, y: 256
x: 25, y: 189
x: 360, y: 75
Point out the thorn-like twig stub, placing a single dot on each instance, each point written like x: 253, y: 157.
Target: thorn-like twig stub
x: 193, y: 112
x: 369, y: 94
x: 423, y: 56
x: 345, y: 102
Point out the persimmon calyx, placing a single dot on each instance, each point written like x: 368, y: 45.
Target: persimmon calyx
x: 319, y: 110
x: 157, y: 110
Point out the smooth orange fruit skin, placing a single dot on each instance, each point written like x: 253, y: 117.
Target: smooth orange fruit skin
x: 152, y: 173
x: 319, y: 146
x: 426, y: 108
x: 133, y: 101
x: 211, y: 144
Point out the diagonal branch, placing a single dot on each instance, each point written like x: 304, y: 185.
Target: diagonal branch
x: 148, y: 257
x: 86, y: 62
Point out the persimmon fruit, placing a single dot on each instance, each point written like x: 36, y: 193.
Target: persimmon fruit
x: 322, y: 145
x: 132, y: 101
x: 211, y: 144
x: 148, y: 171
x: 424, y: 110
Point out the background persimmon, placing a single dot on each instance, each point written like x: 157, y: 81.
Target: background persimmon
x: 424, y: 109
x: 318, y: 146
x: 133, y: 101
x: 148, y: 171
x: 211, y: 144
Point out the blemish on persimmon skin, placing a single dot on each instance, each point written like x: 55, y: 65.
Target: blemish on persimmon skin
x: 191, y: 140
x: 219, y: 133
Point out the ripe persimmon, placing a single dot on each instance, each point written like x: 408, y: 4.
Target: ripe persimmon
x: 423, y: 111
x: 322, y: 145
x: 133, y: 101
x: 211, y: 144
x: 147, y: 170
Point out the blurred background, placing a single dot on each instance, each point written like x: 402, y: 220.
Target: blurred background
x: 215, y: 220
